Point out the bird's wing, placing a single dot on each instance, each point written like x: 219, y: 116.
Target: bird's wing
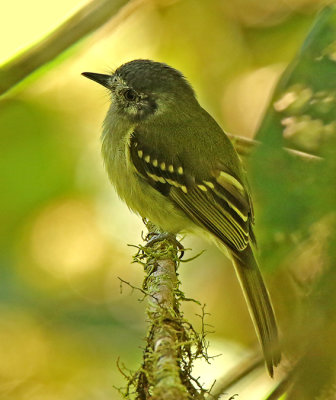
x: 218, y: 201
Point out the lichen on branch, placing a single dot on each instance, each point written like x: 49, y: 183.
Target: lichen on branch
x: 172, y: 344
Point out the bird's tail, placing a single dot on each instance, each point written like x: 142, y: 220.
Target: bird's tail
x: 259, y: 305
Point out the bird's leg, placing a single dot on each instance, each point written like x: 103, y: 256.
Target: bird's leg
x: 156, y: 235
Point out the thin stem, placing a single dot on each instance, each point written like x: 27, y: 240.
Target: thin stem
x: 235, y: 375
x: 244, y: 147
x: 280, y: 389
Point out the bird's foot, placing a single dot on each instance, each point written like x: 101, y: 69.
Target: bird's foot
x: 154, y: 237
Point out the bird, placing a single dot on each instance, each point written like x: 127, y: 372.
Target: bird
x: 171, y: 163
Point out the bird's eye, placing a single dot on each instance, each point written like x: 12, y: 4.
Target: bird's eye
x: 130, y: 95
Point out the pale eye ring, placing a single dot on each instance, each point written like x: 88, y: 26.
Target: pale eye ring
x: 130, y: 95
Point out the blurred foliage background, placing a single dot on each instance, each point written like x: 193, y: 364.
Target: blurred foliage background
x: 64, y: 322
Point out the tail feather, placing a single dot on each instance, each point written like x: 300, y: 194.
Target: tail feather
x: 259, y: 305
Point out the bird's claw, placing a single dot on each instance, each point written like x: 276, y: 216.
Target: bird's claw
x: 154, y: 237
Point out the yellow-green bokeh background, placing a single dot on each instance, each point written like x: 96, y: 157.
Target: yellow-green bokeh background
x: 64, y: 233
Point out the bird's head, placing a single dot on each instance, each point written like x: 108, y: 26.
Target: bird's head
x: 141, y: 88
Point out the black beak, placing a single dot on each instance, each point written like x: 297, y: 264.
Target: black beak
x: 99, y: 78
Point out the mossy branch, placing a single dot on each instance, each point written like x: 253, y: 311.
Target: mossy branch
x: 162, y: 354
x: 172, y: 344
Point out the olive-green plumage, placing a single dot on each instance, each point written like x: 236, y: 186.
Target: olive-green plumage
x: 172, y: 163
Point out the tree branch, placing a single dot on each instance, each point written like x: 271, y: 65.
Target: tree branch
x: 172, y: 343
x: 244, y: 147
x: 86, y: 20
x: 163, y: 355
